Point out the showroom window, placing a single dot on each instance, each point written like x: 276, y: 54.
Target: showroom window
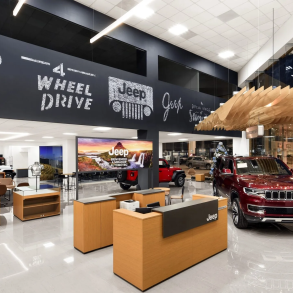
x: 189, y: 78
x: 49, y: 31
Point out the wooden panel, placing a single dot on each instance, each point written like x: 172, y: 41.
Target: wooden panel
x: 150, y: 198
x: 17, y: 206
x: 107, y: 208
x: 127, y: 249
x: 91, y: 226
x: 164, y: 257
x: 78, y: 238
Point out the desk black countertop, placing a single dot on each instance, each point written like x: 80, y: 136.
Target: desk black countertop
x: 184, y: 216
x: 112, y: 196
x: 182, y: 205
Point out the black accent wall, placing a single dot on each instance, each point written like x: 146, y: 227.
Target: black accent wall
x: 40, y: 84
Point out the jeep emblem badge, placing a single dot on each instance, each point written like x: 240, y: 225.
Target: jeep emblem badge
x: 132, y: 99
x: 212, y: 217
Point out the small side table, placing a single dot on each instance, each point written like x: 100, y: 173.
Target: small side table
x: 67, y: 176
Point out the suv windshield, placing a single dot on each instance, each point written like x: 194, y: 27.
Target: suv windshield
x: 267, y: 166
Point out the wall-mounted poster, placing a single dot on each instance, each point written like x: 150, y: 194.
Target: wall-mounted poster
x: 102, y: 154
x: 52, y: 159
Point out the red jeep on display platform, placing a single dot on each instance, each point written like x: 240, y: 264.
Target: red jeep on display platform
x: 166, y: 174
x: 259, y: 189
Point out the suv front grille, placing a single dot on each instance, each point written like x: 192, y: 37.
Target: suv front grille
x: 279, y: 194
x: 279, y: 211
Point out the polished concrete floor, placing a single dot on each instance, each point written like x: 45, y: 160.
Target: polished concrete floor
x: 38, y: 256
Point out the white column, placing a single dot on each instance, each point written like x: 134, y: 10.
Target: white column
x: 241, y: 145
x: 69, y: 156
x: 160, y: 150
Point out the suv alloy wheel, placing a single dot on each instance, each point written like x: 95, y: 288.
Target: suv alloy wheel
x: 208, y: 166
x: 237, y: 215
x: 179, y: 181
x: 190, y: 165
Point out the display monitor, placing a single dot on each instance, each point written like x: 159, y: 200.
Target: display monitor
x: 107, y: 154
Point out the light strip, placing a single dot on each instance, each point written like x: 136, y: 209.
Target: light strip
x: 17, y: 135
x: 18, y: 7
x: 120, y: 20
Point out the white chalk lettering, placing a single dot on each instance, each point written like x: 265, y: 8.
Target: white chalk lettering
x: 49, y: 106
x: 88, y: 103
x: 61, y: 85
x: 45, y: 82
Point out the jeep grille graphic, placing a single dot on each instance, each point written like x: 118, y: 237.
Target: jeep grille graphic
x: 133, y: 100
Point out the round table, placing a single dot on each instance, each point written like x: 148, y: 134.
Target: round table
x: 67, y: 174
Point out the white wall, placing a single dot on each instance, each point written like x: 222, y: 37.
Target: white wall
x: 241, y: 145
x: 281, y: 38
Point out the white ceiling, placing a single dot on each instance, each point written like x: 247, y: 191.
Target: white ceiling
x: 210, y: 31
x: 36, y: 131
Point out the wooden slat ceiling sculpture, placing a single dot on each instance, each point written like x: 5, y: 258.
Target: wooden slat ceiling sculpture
x: 253, y: 107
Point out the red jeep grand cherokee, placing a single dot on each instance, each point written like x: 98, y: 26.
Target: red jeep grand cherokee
x: 259, y: 189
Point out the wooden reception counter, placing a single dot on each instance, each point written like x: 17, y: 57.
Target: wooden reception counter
x: 93, y: 217
x: 147, y: 251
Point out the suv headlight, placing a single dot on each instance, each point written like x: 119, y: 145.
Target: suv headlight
x: 253, y: 191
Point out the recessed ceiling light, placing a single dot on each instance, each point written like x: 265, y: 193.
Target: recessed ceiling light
x: 135, y: 137
x: 69, y: 133
x: 183, y: 139
x: 120, y: 20
x: 29, y: 140
x: 143, y: 12
x: 18, y: 7
x: 178, y: 29
x: 226, y: 54
x: 174, y: 134
x: 102, y: 128
x: 48, y: 137
x: 69, y: 259
x: 220, y: 136
x: 14, y: 135
x: 49, y: 244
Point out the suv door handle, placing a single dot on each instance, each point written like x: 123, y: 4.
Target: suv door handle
x: 160, y: 171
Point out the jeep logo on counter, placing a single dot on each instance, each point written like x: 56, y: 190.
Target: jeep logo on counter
x: 133, y: 100
x: 212, y: 217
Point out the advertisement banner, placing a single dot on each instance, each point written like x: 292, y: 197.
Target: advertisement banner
x: 106, y: 154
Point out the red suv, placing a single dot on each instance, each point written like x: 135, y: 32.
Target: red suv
x: 128, y: 178
x: 259, y: 189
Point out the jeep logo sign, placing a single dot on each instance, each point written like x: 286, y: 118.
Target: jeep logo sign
x: 212, y: 217
x: 133, y: 100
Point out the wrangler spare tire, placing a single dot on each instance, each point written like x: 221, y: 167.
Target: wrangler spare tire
x: 121, y: 176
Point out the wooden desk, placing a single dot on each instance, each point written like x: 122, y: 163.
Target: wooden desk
x: 93, y: 217
x: 144, y: 258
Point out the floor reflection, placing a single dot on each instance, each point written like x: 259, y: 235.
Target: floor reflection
x: 38, y: 255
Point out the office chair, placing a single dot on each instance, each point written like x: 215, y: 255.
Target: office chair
x: 23, y: 184
x: 3, y: 190
x: 177, y: 196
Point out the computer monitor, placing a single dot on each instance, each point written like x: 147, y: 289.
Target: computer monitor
x: 154, y: 205
x: 143, y: 210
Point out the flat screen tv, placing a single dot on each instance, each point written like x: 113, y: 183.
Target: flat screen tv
x: 107, y: 154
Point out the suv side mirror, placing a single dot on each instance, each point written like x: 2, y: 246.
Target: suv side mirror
x: 168, y: 166
x: 226, y: 171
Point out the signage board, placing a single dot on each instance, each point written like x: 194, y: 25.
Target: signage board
x: 106, y: 154
x: 255, y: 131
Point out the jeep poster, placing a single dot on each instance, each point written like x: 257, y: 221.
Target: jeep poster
x: 105, y: 154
